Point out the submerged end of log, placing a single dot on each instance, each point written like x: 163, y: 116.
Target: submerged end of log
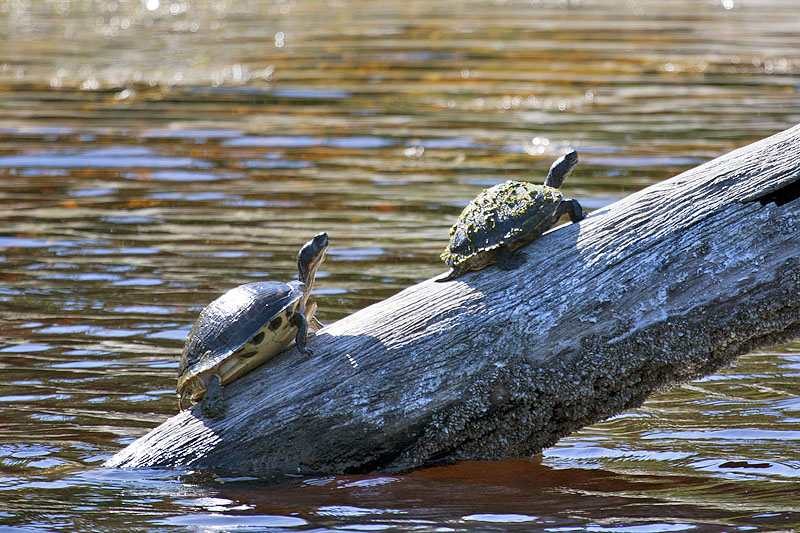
x: 664, y: 286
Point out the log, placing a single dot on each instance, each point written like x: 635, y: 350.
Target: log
x: 666, y: 285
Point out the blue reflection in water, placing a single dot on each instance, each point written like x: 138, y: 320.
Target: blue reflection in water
x: 22, y: 242
x: 309, y: 93
x: 228, y: 522
x: 185, y: 175
x: 189, y: 134
x: 300, y: 141
x: 356, y: 254
x: 725, y: 434
x: 642, y: 161
x: 92, y: 192
x: 274, y: 163
x: 26, y: 348
x: 282, y: 141
x: 118, y: 157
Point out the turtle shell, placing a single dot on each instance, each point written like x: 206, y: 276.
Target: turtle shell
x: 237, y: 332
x: 512, y: 213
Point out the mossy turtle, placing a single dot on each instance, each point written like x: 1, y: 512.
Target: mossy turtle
x: 245, y: 327
x: 507, y: 216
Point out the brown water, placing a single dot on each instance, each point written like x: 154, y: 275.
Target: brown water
x: 154, y: 154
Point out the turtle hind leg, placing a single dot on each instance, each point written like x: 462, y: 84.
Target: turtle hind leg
x: 508, y: 260
x: 213, y: 402
x: 453, y: 274
x: 315, y: 324
x: 313, y: 321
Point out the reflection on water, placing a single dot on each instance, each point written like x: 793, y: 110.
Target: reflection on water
x: 154, y: 154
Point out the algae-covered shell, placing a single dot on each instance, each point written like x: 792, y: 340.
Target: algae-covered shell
x: 507, y: 216
x: 511, y: 213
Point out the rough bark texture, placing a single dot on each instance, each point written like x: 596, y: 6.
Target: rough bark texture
x: 666, y: 285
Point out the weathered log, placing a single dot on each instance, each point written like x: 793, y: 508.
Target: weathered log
x: 664, y: 286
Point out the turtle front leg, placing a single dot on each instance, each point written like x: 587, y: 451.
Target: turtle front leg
x: 573, y: 209
x: 299, y: 319
x: 213, y: 402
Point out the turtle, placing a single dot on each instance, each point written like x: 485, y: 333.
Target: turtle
x: 507, y: 216
x: 245, y: 327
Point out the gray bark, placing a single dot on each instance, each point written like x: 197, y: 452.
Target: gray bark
x: 664, y: 286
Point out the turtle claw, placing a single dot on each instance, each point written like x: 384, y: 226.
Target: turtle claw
x: 308, y: 352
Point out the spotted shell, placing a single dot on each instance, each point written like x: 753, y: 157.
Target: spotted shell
x: 237, y: 332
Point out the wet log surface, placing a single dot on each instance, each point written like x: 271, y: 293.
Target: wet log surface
x: 664, y: 286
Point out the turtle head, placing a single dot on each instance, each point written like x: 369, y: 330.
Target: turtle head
x: 311, y: 256
x: 561, y: 169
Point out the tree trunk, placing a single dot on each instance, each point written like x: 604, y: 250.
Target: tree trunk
x: 664, y: 286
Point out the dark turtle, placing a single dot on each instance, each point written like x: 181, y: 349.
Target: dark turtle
x: 507, y: 216
x: 245, y: 327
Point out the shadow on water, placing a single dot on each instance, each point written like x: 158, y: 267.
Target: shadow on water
x: 518, y: 495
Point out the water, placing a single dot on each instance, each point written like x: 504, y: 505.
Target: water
x: 154, y: 154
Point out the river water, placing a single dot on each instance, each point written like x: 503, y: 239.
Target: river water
x: 154, y: 154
